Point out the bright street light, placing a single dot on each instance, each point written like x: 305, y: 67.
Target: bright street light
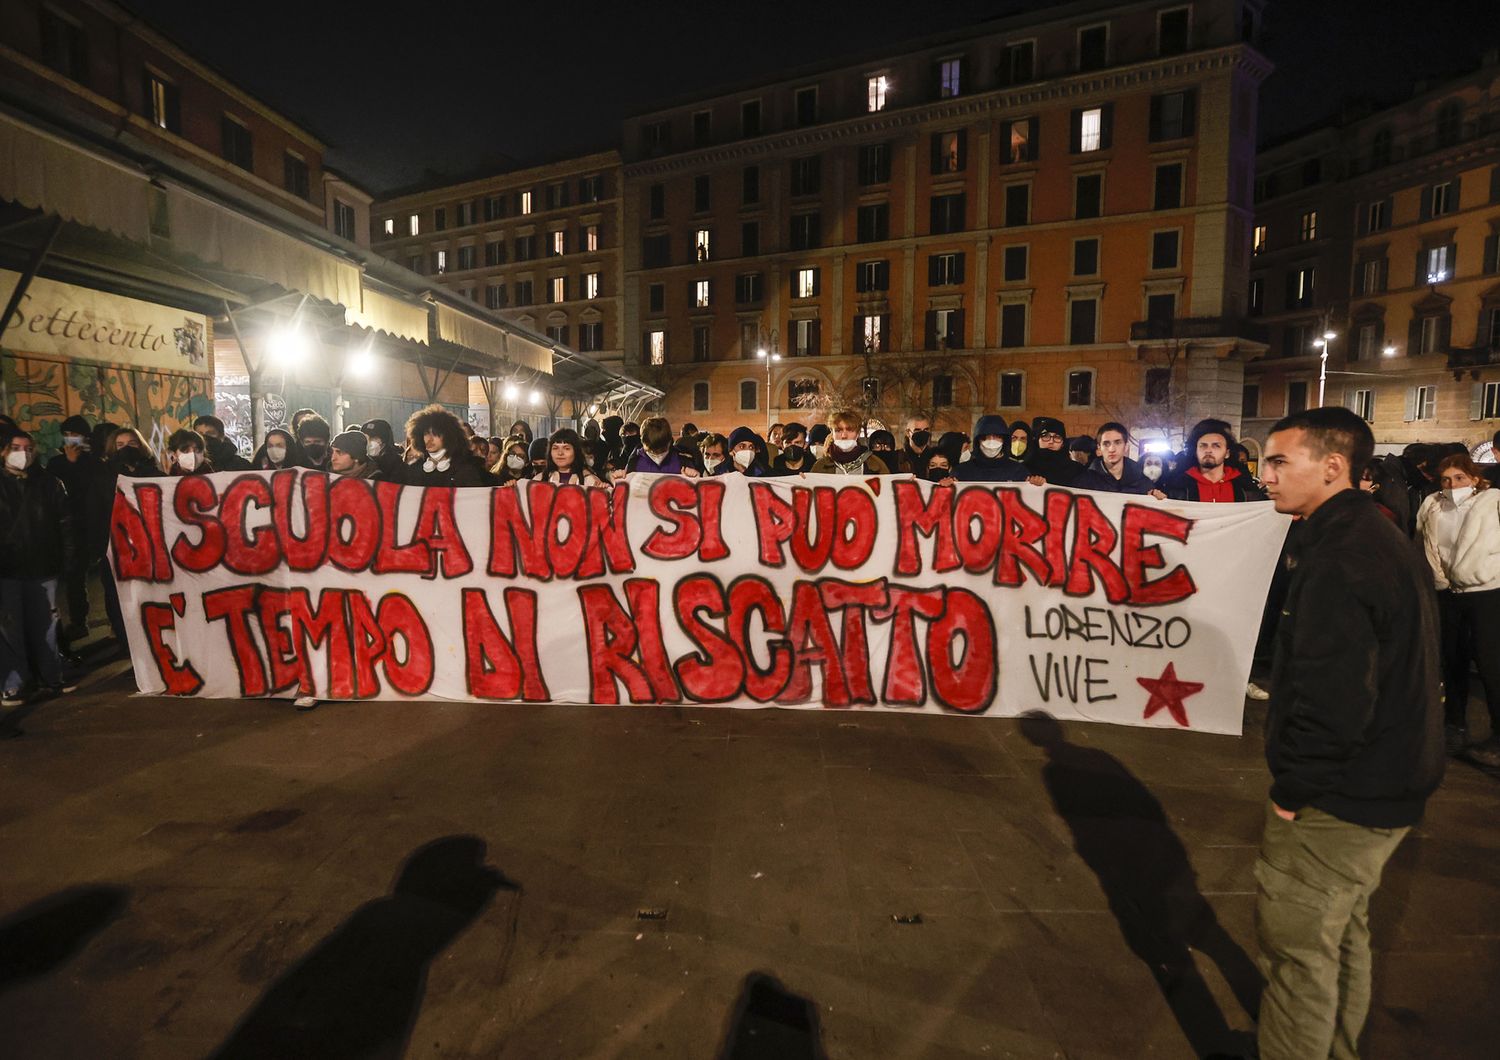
x: 362, y: 361
x: 511, y: 393
x: 287, y: 345
x: 1330, y: 335
x: 1389, y: 351
x: 536, y: 397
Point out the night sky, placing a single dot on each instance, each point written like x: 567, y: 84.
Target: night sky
x: 503, y: 85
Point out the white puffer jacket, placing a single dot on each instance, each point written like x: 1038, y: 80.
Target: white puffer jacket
x: 1475, y: 564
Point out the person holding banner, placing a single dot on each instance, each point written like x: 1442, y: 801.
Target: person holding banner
x: 1115, y: 472
x: 989, y: 462
x: 713, y: 450
x: 348, y: 457
x: 1211, y: 477
x: 186, y: 454
x: 566, y: 464
x: 313, y: 432
x: 656, y: 455
x: 844, y: 455
x: 38, y: 547
x: 380, y: 446
x: 514, y: 463
x: 748, y: 453
x: 1354, y: 734
x: 443, y: 457
x: 279, y: 450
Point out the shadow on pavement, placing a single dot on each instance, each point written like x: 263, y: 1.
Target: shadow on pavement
x: 769, y: 1022
x: 49, y: 932
x: 357, y: 994
x: 1121, y: 832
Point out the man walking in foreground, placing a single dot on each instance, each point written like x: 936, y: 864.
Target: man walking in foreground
x: 1354, y: 734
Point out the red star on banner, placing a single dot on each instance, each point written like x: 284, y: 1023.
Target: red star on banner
x: 1166, y: 691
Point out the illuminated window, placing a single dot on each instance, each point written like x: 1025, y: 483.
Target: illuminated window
x: 701, y: 244
x: 591, y: 285
x: 166, y: 107
x: 876, y: 89
x: 1091, y: 130
x: 806, y: 283
x: 557, y: 289
x: 440, y: 261
x: 559, y: 244
x: 590, y: 237
x: 1258, y: 241
x: 950, y: 75
x: 656, y: 344
x: 871, y: 334
x: 1310, y: 225
x: 413, y: 225
x: 1021, y: 135
x: 1438, y: 266
x: 702, y: 293
x: 523, y: 201
x: 388, y: 226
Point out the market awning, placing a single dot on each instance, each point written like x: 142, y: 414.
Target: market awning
x: 396, y: 317
x: 464, y: 329
x: 46, y: 172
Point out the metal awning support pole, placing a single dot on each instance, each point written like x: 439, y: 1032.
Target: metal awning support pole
x: 257, y: 392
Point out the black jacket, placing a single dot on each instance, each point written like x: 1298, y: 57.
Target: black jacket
x: 37, y: 531
x: 1132, y: 479
x: 1355, y: 720
x: 464, y: 469
x: 1183, y: 487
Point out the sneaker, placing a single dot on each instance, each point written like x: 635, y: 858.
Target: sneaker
x: 13, y: 697
x: 1254, y: 691
x: 1455, y: 738
x: 305, y: 703
x: 62, y: 689
x: 1485, y: 754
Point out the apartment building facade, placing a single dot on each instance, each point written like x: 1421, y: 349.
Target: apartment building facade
x: 1049, y: 217
x: 1377, y: 241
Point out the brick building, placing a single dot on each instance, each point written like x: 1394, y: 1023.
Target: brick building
x: 1381, y: 230
x: 1048, y: 216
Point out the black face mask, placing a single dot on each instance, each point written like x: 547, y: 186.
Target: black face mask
x: 919, y: 439
x: 317, y: 452
x: 937, y: 474
x: 793, y: 454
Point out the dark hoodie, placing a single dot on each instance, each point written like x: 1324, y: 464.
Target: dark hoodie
x: 760, y: 467
x: 1054, y: 465
x: 981, y: 468
x: 1132, y: 479
x: 295, y: 457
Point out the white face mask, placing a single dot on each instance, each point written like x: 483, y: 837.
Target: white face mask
x: 744, y: 457
x: 1152, y: 471
x: 188, y: 460
x: 656, y: 455
x: 846, y: 444
x: 18, y: 459
x: 73, y: 440
x: 375, y: 447
x: 991, y: 447
x: 1459, y: 495
x: 514, y: 462
x: 817, y: 451
x: 965, y: 456
x: 276, y: 453
x: 709, y: 463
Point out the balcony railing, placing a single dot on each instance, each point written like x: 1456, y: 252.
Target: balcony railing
x: 1198, y: 328
x: 1472, y: 356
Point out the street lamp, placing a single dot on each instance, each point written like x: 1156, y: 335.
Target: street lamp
x: 769, y: 356
x: 1324, y: 345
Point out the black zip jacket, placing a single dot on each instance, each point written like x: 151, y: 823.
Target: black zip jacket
x: 1132, y: 479
x: 1355, y: 720
x: 36, y: 526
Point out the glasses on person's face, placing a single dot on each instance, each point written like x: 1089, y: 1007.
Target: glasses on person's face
x: 1050, y: 436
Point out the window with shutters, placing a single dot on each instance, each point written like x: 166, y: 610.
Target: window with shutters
x: 750, y: 239
x: 750, y: 117
x: 1308, y: 228
x: 439, y: 262
x: 165, y: 101
x: 1377, y: 216
x: 1012, y: 390
x: 950, y: 78
x: 523, y: 203
x: 558, y: 333
x: 494, y: 296
x: 804, y: 338
x: 1167, y: 191
x: 1172, y: 31
x: 65, y: 46
x: 806, y: 231
x: 1165, y: 249
x: 414, y: 262
x: 525, y: 248
x: 466, y: 258
x: 1439, y: 263
x: 557, y: 244
x: 590, y: 188
x: 1363, y: 404
x: 945, y: 269
x: 1258, y: 240
x: 1018, y: 143
x: 1014, y: 263
x: 1088, y: 195
x: 494, y: 207
x: 700, y: 396
x: 870, y: 333
x: 1093, y: 47
x: 1489, y: 403
x: 1013, y: 325
x: 591, y: 285
x: 388, y: 226
x: 591, y: 337
x: 805, y: 283
x: 702, y: 244
x: 945, y: 329
x: 942, y: 391
x: 749, y: 395
x: 1367, y: 342
x: 656, y: 346
x: 1489, y: 333
x: 1018, y: 63
x: 1172, y: 116
x: 702, y: 293
x: 701, y: 193
x: 656, y: 297
x: 874, y: 164
x: 703, y: 126
x: 657, y: 137
x: 876, y: 88
x: 1257, y: 300
x: 590, y: 237
x: 656, y: 202
x: 701, y: 344
x: 1424, y: 403
x: 1301, y: 284
x: 1296, y: 396
x: 1080, y: 388
x: 873, y: 223
x: 343, y: 220
x: 523, y: 292
x: 750, y: 186
x: 1250, y: 401
x: 1091, y: 130
x: 748, y: 287
x: 806, y: 101
x: 1430, y: 334
x: 1372, y: 276
x: 465, y: 214
x: 1017, y: 205
x: 872, y: 276
x: 1083, y: 321
x: 807, y: 175
x: 948, y: 151
x: 1443, y: 199
x: 439, y: 218
x: 238, y: 148
x: 557, y: 289
x: 947, y: 214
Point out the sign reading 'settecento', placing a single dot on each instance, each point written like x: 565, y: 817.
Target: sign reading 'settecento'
x: 814, y: 592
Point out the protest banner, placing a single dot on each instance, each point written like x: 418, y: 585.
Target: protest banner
x: 814, y: 592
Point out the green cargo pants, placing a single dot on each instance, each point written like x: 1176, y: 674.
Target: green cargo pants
x: 1316, y: 875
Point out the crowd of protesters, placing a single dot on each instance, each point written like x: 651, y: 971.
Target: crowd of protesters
x: 55, y: 512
